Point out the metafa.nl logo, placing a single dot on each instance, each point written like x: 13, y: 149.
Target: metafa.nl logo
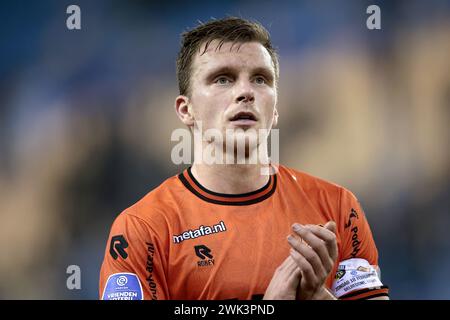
x: 234, y: 146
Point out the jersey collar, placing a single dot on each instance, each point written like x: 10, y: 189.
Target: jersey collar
x: 242, y: 199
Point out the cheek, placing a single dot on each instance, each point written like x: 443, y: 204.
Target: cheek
x: 270, y: 101
x: 207, y: 106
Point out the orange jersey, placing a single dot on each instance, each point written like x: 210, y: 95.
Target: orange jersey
x: 182, y: 241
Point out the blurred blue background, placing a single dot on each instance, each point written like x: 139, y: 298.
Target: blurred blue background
x: 86, y: 117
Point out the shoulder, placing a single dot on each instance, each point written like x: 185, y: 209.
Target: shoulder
x: 157, y: 206
x: 310, y: 183
x: 324, y: 195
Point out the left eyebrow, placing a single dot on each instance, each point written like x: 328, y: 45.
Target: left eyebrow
x: 267, y: 73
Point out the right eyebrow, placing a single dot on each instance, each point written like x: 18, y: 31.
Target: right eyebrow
x: 226, y: 70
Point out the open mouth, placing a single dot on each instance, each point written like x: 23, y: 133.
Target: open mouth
x: 243, y: 117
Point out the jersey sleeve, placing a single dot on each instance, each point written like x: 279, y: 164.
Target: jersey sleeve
x: 358, y: 274
x: 134, y: 265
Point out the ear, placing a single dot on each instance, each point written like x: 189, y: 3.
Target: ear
x: 184, y: 111
x: 275, y: 117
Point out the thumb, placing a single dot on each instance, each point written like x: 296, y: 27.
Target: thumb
x: 331, y: 225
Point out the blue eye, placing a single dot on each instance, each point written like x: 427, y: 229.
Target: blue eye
x: 260, y: 80
x: 222, y: 80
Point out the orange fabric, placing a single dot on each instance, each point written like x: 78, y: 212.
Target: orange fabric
x: 185, y: 242
x: 366, y: 294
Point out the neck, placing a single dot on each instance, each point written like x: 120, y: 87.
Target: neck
x: 229, y: 179
x: 227, y: 175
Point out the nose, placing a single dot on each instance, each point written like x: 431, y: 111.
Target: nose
x: 246, y: 97
x: 245, y: 94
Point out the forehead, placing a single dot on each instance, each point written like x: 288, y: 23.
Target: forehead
x: 245, y: 55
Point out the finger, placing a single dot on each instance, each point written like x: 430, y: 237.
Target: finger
x: 331, y: 225
x: 293, y: 268
x: 332, y: 243
x: 309, y: 280
x: 311, y: 256
x: 317, y: 244
x: 290, y: 266
x: 328, y: 236
x: 289, y: 274
x: 287, y: 263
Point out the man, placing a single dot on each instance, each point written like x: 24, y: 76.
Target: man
x: 228, y: 231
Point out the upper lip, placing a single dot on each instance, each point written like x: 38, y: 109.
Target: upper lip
x: 244, y: 115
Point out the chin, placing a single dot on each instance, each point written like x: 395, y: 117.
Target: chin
x: 242, y: 145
